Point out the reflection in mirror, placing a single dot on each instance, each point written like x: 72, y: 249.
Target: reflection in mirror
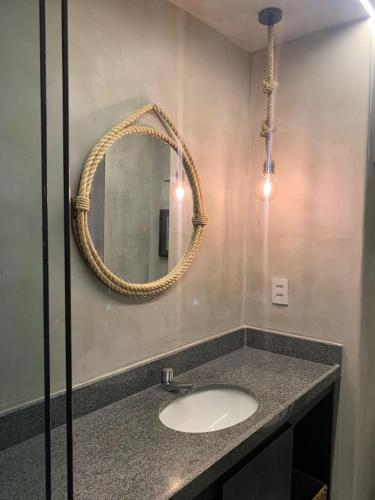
x: 141, y: 209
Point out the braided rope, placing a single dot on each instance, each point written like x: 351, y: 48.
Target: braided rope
x: 269, y: 86
x: 82, y: 203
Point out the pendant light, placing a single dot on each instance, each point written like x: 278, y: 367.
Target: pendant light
x: 268, y: 185
x: 180, y: 192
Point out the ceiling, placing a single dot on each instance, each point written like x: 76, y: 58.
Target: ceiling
x: 238, y: 19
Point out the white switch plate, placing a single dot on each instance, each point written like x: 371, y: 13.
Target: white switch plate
x: 280, y: 291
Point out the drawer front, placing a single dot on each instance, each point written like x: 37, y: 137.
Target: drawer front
x: 267, y: 476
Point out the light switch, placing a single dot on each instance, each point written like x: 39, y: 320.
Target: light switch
x: 280, y: 291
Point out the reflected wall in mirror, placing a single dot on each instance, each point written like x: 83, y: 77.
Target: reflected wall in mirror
x: 139, y: 222
x: 139, y: 213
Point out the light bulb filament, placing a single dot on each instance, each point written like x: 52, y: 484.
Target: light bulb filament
x: 267, y: 187
x: 180, y: 192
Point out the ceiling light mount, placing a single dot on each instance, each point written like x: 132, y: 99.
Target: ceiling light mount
x: 270, y: 16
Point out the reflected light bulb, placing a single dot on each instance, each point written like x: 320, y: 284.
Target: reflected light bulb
x: 267, y: 187
x: 180, y: 192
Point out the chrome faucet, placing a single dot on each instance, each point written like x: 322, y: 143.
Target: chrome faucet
x: 168, y: 384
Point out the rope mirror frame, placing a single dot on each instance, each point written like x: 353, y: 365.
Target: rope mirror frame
x: 82, y: 203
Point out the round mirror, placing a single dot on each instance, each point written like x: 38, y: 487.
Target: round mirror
x: 139, y: 213
x: 141, y: 209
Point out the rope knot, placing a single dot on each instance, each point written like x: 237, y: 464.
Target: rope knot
x: 267, y: 130
x: 269, y: 86
x: 200, y: 220
x: 82, y: 203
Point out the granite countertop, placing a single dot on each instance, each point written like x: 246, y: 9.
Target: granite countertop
x: 123, y: 451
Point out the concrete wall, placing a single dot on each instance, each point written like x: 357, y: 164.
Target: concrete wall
x: 365, y: 449
x: 202, y: 81
x: 313, y: 233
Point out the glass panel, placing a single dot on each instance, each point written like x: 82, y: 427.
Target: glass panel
x: 22, y: 440
x: 203, y: 63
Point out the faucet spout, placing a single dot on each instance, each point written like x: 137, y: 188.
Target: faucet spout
x: 177, y: 387
x: 169, y: 385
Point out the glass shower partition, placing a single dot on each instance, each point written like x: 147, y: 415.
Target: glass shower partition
x: 23, y: 350
x: 33, y: 396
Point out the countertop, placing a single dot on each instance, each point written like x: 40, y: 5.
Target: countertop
x: 123, y: 451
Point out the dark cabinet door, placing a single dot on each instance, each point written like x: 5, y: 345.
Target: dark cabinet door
x: 267, y: 476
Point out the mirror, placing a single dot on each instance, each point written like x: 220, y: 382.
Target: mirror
x: 139, y: 214
x: 141, y: 209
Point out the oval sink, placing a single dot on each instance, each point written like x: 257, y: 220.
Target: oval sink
x: 209, y: 410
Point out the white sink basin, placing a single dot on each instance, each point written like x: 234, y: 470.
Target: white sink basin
x: 208, y: 410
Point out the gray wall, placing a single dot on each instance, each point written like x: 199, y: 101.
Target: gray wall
x: 365, y: 449
x: 202, y: 81
x: 314, y: 234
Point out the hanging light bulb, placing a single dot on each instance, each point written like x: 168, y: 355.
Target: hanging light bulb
x: 180, y: 191
x: 268, y: 187
x: 180, y: 181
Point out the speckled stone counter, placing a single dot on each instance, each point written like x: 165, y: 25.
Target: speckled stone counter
x: 123, y: 451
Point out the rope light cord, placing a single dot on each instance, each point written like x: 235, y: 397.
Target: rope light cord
x: 82, y: 203
x: 267, y: 186
x: 269, y: 86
